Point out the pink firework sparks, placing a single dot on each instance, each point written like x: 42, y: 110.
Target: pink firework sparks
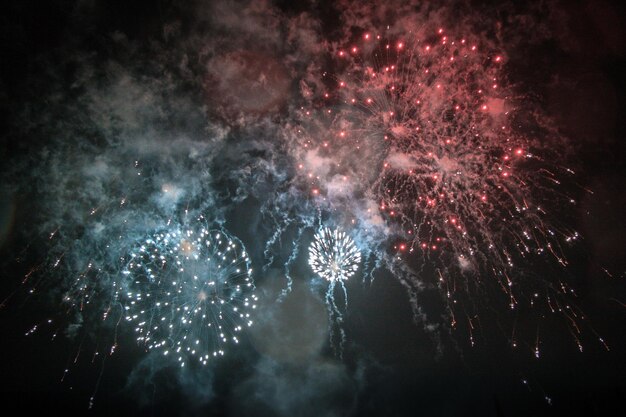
x: 462, y: 168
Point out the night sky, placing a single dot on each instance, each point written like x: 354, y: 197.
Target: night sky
x: 483, y: 187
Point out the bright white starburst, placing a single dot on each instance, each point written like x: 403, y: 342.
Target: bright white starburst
x: 190, y: 293
x: 333, y: 255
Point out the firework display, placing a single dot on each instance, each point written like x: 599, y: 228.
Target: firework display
x: 191, y: 293
x: 424, y: 130
x: 333, y: 255
x: 267, y: 205
x: 438, y: 122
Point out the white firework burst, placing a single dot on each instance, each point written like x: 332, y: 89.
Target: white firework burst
x: 190, y: 294
x: 333, y: 255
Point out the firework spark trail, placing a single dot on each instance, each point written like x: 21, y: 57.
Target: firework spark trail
x: 335, y: 317
x: 191, y: 292
x: 334, y: 257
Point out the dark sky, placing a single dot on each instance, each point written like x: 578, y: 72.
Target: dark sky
x: 87, y: 86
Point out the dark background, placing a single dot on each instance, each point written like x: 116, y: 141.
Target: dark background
x: 409, y: 377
